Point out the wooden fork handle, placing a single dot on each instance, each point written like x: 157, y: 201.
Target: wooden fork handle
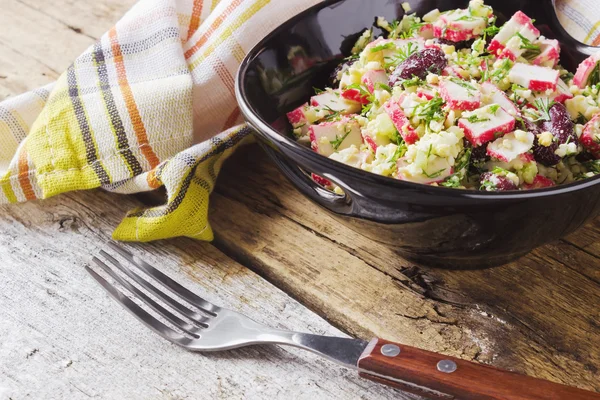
x: 437, y: 376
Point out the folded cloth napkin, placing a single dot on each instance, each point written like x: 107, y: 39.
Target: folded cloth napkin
x: 152, y: 103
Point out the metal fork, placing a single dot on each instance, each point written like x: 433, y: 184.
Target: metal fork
x: 216, y: 328
x: 200, y: 325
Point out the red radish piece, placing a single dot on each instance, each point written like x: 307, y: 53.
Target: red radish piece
x: 298, y: 119
x: 511, y: 145
x: 458, y: 25
x: 453, y: 71
x: 426, y: 92
x: 460, y: 96
x: 585, y: 69
x: 590, y: 138
x: 550, y: 53
x: 328, y: 137
x: 561, y: 95
x: 372, y: 77
x: 321, y: 181
x: 355, y: 95
x: 401, y: 122
x: 488, y: 125
x: 331, y: 99
x: 426, y: 31
x: 493, y: 95
x: 539, y: 182
x: 534, y: 77
x: 370, y: 142
x: 507, y: 43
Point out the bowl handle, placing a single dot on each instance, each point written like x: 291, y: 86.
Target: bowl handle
x: 353, y: 203
x: 337, y: 203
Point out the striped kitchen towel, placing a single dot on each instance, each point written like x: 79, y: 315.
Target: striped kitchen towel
x: 152, y: 104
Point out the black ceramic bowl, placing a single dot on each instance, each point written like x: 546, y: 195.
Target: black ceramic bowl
x: 432, y: 225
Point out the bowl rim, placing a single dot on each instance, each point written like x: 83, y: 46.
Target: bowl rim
x: 263, y: 127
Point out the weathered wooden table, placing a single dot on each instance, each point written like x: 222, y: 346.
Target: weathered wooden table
x: 277, y: 257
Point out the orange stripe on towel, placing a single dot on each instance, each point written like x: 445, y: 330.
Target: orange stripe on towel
x: 195, y: 18
x: 134, y: 113
x: 212, y: 28
x: 24, y: 181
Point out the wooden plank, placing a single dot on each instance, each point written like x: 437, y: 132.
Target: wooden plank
x: 87, y: 18
x: 19, y: 73
x: 40, y: 38
x: 61, y: 336
x: 538, y: 315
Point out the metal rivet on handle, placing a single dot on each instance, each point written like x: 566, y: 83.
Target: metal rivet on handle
x: 390, y: 350
x: 447, y: 366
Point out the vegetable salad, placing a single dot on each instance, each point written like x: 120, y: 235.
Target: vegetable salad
x: 451, y: 99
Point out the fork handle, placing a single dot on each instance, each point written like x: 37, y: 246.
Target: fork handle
x: 437, y: 376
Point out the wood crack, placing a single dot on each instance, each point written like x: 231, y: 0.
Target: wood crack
x: 72, y: 28
x: 580, y: 248
x: 597, y: 282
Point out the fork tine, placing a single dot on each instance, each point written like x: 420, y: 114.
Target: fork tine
x: 146, y: 318
x: 167, y: 282
x: 168, y: 315
x: 194, y: 316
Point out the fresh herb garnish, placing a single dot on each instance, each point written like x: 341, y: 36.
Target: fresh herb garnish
x: 567, y: 76
x: 494, y: 108
x: 474, y: 119
x: 333, y: 113
x: 526, y: 43
x: 414, y: 81
x: 594, y: 78
x: 463, y: 84
x: 402, y: 54
x: 460, y: 166
x: 383, y: 86
x: 431, y: 110
x: 543, y: 105
x: 338, y: 140
x: 466, y: 18
x: 436, y: 174
x: 317, y: 90
x: 500, y: 171
x: 581, y: 119
x: 384, y: 46
x: 490, y: 31
x: 401, y: 149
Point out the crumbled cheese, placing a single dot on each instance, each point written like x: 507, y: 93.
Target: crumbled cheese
x: 384, y: 162
x: 545, y: 138
x: 433, y: 79
x: 566, y: 149
x: 583, y: 105
x: 382, y: 126
x: 406, y: 7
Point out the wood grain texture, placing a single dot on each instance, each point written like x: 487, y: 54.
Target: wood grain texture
x: 39, y: 39
x: 61, y: 336
x: 417, y: 371
x: 536, y: 316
